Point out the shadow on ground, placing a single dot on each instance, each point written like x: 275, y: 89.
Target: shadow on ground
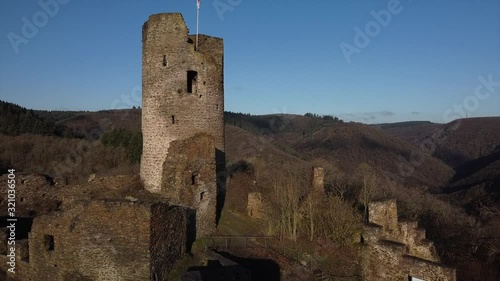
x: 260, y: 269
x: 234, y: 268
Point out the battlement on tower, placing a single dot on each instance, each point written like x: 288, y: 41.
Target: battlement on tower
x: 169, y: 30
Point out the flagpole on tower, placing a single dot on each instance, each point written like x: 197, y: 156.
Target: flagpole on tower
x: 197, y: 21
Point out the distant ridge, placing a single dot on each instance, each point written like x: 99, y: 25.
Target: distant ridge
x: 16, y: 120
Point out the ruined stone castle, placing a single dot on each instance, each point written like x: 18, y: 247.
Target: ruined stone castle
x: 130, y: 227
x: 136, y: 228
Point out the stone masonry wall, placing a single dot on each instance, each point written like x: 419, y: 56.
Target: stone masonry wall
x: 388, y: 261
x: 168, y: 238
x: 96, y: 239
x: 419, y: 246
x: 122, y: 233
x: 385, y: 214
x: 189, y: 179
x: 397, y: 250
x: 35, y: 194
x: 22, y: 271
x: 169, y: 112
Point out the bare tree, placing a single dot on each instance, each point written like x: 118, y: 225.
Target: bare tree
x: 286, y: 193
x: 311, y: 208
x: 368, y: 180
x: 339, y: 221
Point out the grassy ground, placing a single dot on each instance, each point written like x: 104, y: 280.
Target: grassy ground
x: 337, y: 260
x: 196, y: 258
x: 232, y: 223
x: 181, y: 266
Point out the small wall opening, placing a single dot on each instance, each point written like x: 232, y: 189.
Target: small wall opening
x: 165, y: 63
x: 194, y: 178
x: 202, y: 195
x: 192, y: 76
x: 48, y: 241
x: 173, y: 119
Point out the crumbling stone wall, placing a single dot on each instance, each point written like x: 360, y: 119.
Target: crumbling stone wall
x: 168, y: 238
x: 318, y: 179
x: 35, y: 194
x: 183, y: 91
x: 3, y: 240
x: 388, y: 260
x: 397, y: 250
x: 22, y: 268
x: 385, y: 214
x: 189, y: 179
x: 105, y: 240
x: 419, y: 246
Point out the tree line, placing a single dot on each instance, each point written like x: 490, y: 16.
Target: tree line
x: 16, y: 120
x: 130, y: 141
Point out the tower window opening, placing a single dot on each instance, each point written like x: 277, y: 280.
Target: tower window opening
x: 217, y: 107
x: 173, y: 119
x: 201, y: 195
x: 192, y: 76
x: 194, y: 178
x: 165, y: 63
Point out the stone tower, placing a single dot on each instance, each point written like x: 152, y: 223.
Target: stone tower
x: 182, y: 92
x: 318, y: 179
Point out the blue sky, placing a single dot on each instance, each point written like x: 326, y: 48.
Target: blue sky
x: 281, y: 56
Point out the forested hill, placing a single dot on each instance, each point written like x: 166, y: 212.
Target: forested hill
x: 16, y: 120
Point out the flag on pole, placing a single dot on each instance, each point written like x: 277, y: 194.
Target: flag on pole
x: 197, y: 21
